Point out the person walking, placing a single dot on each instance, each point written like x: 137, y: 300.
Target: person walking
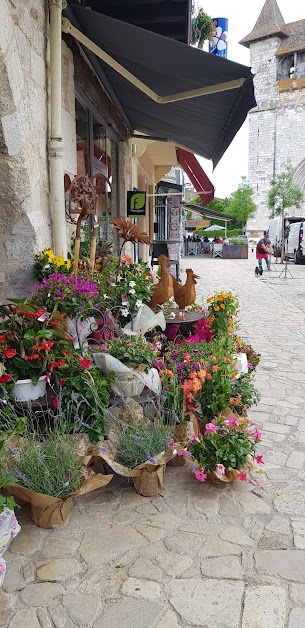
x: 263, y: 250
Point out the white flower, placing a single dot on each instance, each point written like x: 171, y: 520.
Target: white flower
x: 132, y: 284
x: 132, y: 291
x: 113, y: 284
x: 105, y: 296
x: 124, y: 312
x: 119, y: 278
x: 47, y: 266
x: 139, y: 303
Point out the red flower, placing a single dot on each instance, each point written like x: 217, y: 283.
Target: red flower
x: 54, y: 364
x: 5, y: 378
x: 2, y: 338
x: 47, y: 345
x: 9, y: 353
x: 56, y: 403
x: 48, y: 377
x: 35, y: 356
x: 61, y: 362
x: 27, y: 315
x: 38, y: 313
x: 85, y: 363
x: 68, y: 353
x: 61, y: 381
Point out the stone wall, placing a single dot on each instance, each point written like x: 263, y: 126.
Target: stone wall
x: 276, y: 125
x: 24, y: 183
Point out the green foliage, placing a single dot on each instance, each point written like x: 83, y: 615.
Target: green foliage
x: 202, y: 28
x: 82, y: 393
x: 47, y: 263
x: 239, y: 241
x: 133, y: 351
x: 283, y: 193
x: 5, y: 480
x: 244, y: 393
x: 223, y: 307
x: 137, y: 443
x: 49, y: 466
x: 240, y: 203
x: 220, y: 234
x: 229, y: 445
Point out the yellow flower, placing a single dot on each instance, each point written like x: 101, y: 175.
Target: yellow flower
x: 222, y: 305
x: 230, y: 329
x: 49, y: 253
x: 59, y: 260
x: 216, y: 308
x: 209, y: 300
x: 68, y: 264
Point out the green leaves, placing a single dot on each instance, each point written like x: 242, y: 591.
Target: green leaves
x: 283, y: 193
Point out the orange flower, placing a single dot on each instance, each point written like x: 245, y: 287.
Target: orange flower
x: 127, y: 259
x: 215, y: 368
x: 213, y: 358
x: 208, y: 376
x: 211, y: 319
x: 216, y: 308
x: 226, y: 360
x: 230, y: 329
x: 235, y: 373
x: 187, y: 359
x: 202, y: 374
x: 231, y: 400
x: 222, y: 305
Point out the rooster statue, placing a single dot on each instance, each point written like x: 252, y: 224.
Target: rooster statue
x: 163, y: 290
x: 185, y: 294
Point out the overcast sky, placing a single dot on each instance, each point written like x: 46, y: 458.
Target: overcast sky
x: 242, y: 16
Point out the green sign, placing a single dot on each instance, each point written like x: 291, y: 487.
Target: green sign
x: 136, y: 203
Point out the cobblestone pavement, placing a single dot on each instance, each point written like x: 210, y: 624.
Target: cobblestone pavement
x: 198, y: 555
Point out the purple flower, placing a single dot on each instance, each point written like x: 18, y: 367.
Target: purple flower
x: 18, y: 475
x: 12, y: 452
x: 150, y: 459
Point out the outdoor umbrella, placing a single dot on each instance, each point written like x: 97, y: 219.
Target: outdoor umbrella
x: 214, y: 228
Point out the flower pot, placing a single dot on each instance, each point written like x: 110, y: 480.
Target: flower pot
x: 150, y: 482
x: 24, y: 390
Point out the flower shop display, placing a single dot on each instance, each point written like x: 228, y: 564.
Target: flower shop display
x: 27, y: 336
x: 224, y: 451
x: 71, y: 293
x: 48, y: 473
x: 131, y: 359
x: 223, y: 308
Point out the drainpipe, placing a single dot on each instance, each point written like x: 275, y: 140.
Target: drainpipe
x: 56, y: 141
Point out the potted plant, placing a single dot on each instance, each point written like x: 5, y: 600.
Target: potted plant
x: 224, y: 451
x: 72, y: 295
x: 27, y: 336
x: 237, y: 249
x: 139, y: 451
x: 48, y: 472
x: 46, y: 263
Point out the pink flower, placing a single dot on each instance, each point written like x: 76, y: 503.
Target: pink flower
x: 210, y: 428
x: 220, y: 470
x: 171, y: 444
x: 184, y: 453
x: 158, y: 345
x: 250, y: 365
x: 231, y: 421
x: 47, y: 377
x: 242, y: 476
x: 200, y: 475
x: 195, y: 437
x: 259, y: 460
x: 257, y: 434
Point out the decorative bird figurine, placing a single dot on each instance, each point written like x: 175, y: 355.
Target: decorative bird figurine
x: 185, y: 294
x: 164, y: 289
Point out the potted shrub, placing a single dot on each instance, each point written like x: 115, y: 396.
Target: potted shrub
x: 139, y: 451
x: 237, y: 249
x: 46, y: 263
x: 27, y: 336
x: 226, y: 449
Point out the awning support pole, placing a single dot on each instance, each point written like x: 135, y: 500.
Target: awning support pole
x: 67, y: 27
x: 56, y: 140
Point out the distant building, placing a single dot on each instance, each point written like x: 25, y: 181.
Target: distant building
x: 277, y: 124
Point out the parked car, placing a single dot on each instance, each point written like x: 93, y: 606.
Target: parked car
x: 275, y: 235
x: 295, y: 243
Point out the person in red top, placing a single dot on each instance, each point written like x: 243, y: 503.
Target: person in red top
x: 263, y: 250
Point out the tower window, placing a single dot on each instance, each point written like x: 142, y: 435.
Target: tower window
x: 291, y: 66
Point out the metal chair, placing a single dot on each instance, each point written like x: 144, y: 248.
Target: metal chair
x: 161, y: 248
x: 217, y: 250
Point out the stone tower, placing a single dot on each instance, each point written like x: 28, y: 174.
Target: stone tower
x: 277, y: 124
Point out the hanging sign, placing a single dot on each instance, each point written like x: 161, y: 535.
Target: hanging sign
x: 136, y: 203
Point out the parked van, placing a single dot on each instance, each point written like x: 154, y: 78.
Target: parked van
x: 295, y: 244
x: 275, y: 235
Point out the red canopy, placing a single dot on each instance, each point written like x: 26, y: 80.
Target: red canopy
x: 196, y: 175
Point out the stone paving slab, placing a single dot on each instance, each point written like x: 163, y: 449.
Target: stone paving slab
x: 199, y: 555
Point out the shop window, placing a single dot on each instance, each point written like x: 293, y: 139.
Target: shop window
x: 95, y: 152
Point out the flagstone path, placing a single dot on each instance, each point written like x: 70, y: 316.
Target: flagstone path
x: 198, y: 555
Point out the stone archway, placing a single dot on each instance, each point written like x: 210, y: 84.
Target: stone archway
x: 24, y: 186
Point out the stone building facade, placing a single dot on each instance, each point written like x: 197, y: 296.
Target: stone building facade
x: 277, y: 124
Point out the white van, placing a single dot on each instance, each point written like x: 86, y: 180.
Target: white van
x: 275, y: 235
x: 295, y: 247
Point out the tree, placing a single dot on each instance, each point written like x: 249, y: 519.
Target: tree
x: 283, y: 193
x: 202, y: 27
x: 240, y: 204
x: 216, y: 205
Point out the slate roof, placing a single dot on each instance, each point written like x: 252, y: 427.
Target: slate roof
x: 270, y: 23
x: 295, y: 40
